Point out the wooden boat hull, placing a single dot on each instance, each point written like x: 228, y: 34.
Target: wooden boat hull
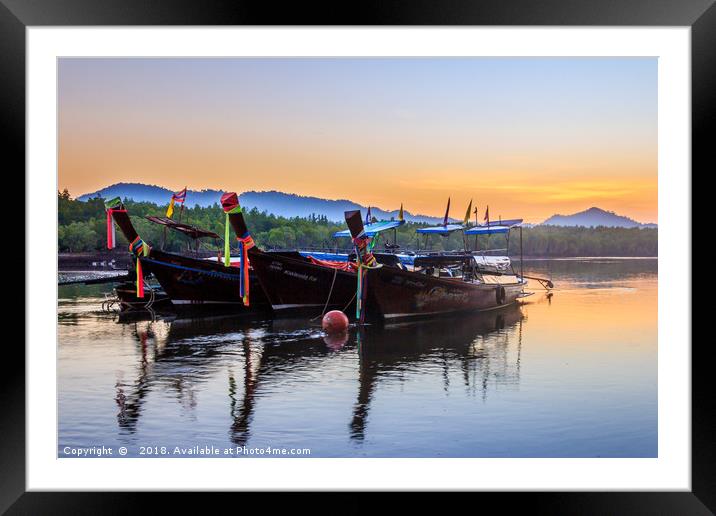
x: 395, y: 294
x: 127, y: 295
x: 294, y: 285
x: 194, y: 283
x: 191, y: 283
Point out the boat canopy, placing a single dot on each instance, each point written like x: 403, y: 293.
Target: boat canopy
x: 372, y: 229
x: 440, y: 230
x: 508, y: 222
x: 442, y: 260
x: 322, y: 255
x: 186, y: 229
x: 503, y: 226
x: 487, y: 230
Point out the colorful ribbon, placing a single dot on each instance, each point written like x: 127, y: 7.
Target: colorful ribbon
x: 227, y: 235
x: 230, y: 204
x: 111, y: 231
x: 359, y: 292
x: 112, y: 206
x: 139, y: 249
x: 111, y: 235
x: 245, y: 243
x: 364, y: 245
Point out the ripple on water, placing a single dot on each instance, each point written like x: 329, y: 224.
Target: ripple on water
x: 572, y: 375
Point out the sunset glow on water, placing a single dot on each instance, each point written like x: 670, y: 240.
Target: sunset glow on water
x: 568, y: 375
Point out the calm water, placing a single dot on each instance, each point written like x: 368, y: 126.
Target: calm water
x: 571, y: 375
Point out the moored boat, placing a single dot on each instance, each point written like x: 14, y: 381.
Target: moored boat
x: 387, y: 290
x: 295, y: 284
x: 126, y: 294
x: 190, y: 282
x: 437, y: 285
x: 442, y: 288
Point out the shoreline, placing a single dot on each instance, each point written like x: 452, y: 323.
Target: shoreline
x: 107, y: 263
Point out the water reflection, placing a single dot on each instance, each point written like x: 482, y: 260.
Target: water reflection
x: 177, y: 355
x: 242, y: 406
x: 479, y: 344
x: 574, y: 375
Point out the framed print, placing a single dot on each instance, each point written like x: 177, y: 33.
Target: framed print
x: 424, y: 249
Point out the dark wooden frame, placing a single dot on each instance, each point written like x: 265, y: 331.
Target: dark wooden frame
x: 700, y: 15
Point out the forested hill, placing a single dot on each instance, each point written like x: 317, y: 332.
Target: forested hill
x: 82, y: 227
x: 594, y: 217
x: 278, y: 203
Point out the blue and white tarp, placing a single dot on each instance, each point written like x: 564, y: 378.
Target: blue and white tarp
x: 440, y: 230
x: 372, y: 229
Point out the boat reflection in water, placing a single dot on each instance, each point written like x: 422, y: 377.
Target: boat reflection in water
x: 486, y: 346
x: 178, y: 356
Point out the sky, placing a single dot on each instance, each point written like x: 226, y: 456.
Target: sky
x: 530, y: 137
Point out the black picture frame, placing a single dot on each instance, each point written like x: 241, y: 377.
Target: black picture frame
x: 700, y: 15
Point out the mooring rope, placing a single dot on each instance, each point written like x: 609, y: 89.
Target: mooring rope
x: 330, y: 293
x: 109, y: 303
x: 349, y: 302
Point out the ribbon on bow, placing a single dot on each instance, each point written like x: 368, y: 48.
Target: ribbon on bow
x: 139, y: 248
x: 363, y: 246
x: 230, y: 205
x: 245, y: 243
x: 112, y: 206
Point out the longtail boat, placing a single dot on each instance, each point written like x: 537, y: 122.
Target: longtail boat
x: 126, y: 293
x: 190, y: 282
x: 387, y: 290
x: 295, y: 283
x: 445, y: 284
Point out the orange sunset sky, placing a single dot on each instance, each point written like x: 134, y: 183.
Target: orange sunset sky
x: 531, y: 137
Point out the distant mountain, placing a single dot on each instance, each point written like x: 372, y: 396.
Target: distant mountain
x: 278, y: 203
x: 155, y: 194
x: 595, y: 217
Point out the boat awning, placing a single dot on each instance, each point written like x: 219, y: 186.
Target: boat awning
x: 441, y: 260
x: 440, y: 230
x: 186, y: 229
x: 510, y: 223
x: 372, y: 229
x: 501, y: 226
x: 322, y: 255
x: 487, y: 230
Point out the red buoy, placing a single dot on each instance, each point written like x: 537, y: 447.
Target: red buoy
x: 334, y: 322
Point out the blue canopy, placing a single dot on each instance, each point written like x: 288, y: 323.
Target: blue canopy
x: 487, y: 230
x: 372, y: 229
x: 440, y: 230
x: 509, y: 222
x: 322, y: 255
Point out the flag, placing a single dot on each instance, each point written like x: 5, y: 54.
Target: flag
x: 447, y: 211
x: 487, y: 215
x: 400, y: 214
x: 467, y: 214
x: 176, y: 197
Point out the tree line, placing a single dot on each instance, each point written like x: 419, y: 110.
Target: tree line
x: 82, y: 228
